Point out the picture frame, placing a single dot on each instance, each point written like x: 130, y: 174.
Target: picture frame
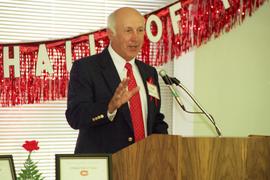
x: 7, y: 168
x: 83, y: 166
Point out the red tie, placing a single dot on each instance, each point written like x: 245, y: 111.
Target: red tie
x: 135, y: 106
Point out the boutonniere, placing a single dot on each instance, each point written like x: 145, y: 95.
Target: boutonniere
x: 152, y: 90
x: 150, y: 80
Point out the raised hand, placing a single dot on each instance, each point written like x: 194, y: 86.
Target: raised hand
x: 121, y: 95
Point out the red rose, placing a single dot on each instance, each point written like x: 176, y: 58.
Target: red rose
x: 31, y: 145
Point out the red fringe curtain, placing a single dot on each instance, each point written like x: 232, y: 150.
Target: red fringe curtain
x: 200, y: 21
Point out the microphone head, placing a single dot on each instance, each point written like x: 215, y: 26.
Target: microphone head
x: 165, y: 77
x: 162, y: 73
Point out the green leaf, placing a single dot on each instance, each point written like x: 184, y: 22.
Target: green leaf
x: 30, y: 171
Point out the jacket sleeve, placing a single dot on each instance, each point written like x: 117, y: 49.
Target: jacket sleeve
x: 82, y: 109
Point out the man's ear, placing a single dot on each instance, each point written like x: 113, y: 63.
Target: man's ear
x: 110, y: 33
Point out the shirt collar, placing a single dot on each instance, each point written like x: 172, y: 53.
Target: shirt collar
x: 118, y: 61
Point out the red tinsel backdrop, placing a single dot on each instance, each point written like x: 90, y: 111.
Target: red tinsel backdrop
x: 199, y: 21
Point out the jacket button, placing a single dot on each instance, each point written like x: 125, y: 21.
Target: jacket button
x: 130, y: 139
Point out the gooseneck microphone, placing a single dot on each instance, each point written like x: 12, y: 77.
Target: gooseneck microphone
x: 169, y: 81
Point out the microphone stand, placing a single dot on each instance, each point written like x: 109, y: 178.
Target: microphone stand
x: 177, y: 97
x: 209, y: 116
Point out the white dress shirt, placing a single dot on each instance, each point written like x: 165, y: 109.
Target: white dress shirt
x: 119, y: 63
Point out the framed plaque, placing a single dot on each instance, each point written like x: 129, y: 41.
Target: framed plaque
x: 7, y: 170
x: 83, y: 166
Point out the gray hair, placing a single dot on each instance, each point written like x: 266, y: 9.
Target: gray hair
x: 111, y: 22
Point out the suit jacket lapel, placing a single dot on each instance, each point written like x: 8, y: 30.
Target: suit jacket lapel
x: 109, y: 71
x: 145, y: 74
x: 112, y: 80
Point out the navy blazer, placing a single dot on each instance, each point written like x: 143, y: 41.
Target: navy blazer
x: 93, y: 81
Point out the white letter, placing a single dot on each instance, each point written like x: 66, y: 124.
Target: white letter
x: 150, y: 36
x: 175, y: 18
x: 12, y: 62
x: 43, y: 62
x: 68, y: 55
x: 92, y: 46
x: 226, y: 4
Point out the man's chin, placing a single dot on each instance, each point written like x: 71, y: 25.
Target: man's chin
x: 133, y: 54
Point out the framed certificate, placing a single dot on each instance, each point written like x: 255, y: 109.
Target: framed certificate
x: 83, y: 166
x: 7, y: 170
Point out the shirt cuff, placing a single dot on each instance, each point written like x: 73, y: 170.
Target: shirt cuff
x: 111, y: 115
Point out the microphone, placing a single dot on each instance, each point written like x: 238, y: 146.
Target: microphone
x: 175, y: 81
x: 165, y: 77
x: 167, y: 80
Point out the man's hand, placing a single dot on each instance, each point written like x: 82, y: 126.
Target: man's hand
x: 121, y: 95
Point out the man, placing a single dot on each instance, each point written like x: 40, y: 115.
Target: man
x: 113, y: 104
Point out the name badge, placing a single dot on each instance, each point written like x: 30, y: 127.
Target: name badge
x: 152, y: 90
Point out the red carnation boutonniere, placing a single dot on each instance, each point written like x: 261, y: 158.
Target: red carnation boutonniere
x: 150, y: 86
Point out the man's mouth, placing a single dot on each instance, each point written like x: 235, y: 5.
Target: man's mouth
x: 133, y: 47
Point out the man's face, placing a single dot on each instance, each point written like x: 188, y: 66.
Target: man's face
x: 129, y: 35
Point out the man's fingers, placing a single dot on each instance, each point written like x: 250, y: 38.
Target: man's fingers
x: 122, y: 86
x: 127, y: 95
x: 134, y: 91
x: 125, y: 82
x: 122, y: 94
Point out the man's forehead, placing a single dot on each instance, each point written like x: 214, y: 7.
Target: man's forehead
x: 133, y: 26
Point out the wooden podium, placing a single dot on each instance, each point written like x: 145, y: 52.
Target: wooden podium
x: 171, y: 157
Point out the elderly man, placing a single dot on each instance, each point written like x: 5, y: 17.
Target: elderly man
x: 113, y: 98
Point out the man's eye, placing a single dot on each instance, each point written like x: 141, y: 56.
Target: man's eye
x: 140, y: 30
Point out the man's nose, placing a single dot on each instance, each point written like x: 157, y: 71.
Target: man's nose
x: 134, y: 36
